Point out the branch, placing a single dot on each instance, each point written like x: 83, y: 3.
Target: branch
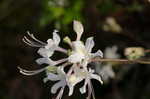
x: 123, y: 61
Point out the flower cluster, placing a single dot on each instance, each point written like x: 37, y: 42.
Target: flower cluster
x: 77, y: 60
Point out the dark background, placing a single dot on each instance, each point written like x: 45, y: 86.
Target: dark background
x: 40, y: 17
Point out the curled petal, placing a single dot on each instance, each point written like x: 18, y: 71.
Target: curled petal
x: 50, y: 44
x: 97, y: 77
x: 76, y: 57
x: 46, y: 52
x: 56, y: 37
x: 72, y: 80
x: 53, y: 77
x: 78, y: 28
x: 89, y: 44
x: 45, y: 61
x: 99, y: 53
x: 56, y: 86
x: 71, y: 88
x: 61, y: 71
x: 83, y: 89
x: 106, y: 72
x: 111, y: 52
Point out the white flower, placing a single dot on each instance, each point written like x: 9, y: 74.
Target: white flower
x: 51, y: 46
x: 111, y: 52
x: 78, y: 59
x: 112, y: 25
x: 73, y: 78
x: 61, y: 78
x: 107, y: 72
x: 82, y: 52
x: 88, y: 75
x: 46, y: 49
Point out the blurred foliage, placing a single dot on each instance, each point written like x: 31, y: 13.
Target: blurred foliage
x: 108, y: 7
x: 61, y: 12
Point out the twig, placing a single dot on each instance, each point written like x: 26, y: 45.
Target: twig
x: 123, y: 61
x: 147, y: 51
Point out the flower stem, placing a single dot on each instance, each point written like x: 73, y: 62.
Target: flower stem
x: 123, y: 61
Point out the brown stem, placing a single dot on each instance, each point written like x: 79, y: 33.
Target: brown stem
x: 123, y: 61
x: 147, y: 51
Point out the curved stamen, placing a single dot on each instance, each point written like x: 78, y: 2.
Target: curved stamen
x: 28, y: 73
x: 34, y: 72
x: 61, y: 50
x: 33, y: 41
x: 61, y: 61
x: 33, y: 37
x: 29, y: 43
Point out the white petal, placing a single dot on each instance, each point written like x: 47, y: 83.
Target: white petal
x: 56, y: 37
x: 45, y: 52
x: 45, y: 61
x: 83, y: 89
x: 111, y: 52
x: 78, y: 46
x: 56, y: 86
x: 50, y: 44
x: 71, y: 88
x: 59, y: 96
x: 97, y: 77
x: 76, y: 57
x: 99, y: 53
x: 107, y: 72
x: 60, y: 71
x: 78, y: 28
x: 89, y: 44
x: 72, y: 80
x: 53, y: 77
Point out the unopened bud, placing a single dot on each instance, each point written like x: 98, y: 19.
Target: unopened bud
x: 67, y: 40
x: 134, y: 52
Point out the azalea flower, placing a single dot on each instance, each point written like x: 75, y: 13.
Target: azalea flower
x: 78, y: 59
x: 106, y: 70
x: 61, y: 78
x: 46, y: 49
x: 79, y: 50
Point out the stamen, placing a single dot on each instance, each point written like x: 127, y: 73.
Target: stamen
x: 28, y: 73
x: 61, y: 50
x: 34, y: 42
x: 32, y: 36
x: 61, y: 61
